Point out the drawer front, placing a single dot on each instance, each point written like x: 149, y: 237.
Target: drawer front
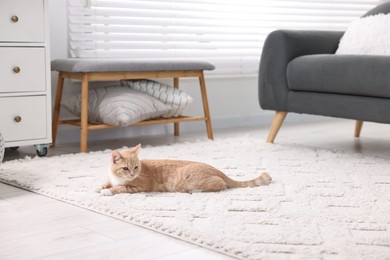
x: 22, y: 69
x: 22, y: 21
x: 23, y: 118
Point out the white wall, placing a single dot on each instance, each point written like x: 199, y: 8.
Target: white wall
x: 233, y: 101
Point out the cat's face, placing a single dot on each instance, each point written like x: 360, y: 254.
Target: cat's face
x: 125, y: 164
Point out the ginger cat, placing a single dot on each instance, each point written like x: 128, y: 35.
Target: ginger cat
x: 129, y: 175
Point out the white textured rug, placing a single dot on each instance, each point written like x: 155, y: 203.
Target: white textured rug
x: 321, y: 204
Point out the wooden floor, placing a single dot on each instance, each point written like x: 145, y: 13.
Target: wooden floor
x: 37, y: 227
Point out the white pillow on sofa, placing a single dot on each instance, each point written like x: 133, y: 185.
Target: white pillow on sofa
x: 369, y: 35
x: 117, y: 105
x: 178, y: 100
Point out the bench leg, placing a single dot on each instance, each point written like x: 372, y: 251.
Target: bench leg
x: 206, y: 106
x: 176, y: 125
x: 84, y: 114
x: 57, y: 107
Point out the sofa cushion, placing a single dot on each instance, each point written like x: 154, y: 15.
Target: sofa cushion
x: 361, y: 75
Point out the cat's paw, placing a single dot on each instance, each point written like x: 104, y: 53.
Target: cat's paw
x: 106, y: 192
x: 97, y: 190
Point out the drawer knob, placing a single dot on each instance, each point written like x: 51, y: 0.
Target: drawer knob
x: 16, y: 69
x: 18, y: 119
x: 14, y: 19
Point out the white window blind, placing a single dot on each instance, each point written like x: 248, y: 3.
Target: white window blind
x: 227, y: 33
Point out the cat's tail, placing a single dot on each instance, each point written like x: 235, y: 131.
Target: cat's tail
x: 263, y: 179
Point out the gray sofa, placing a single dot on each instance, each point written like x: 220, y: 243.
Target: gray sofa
x: 299, y: 73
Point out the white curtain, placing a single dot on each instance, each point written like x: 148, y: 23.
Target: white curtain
x: 227, y: 33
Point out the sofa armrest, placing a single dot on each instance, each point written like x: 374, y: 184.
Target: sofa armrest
x: 279, y: 49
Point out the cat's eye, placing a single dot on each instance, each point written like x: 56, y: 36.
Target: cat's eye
x: 125, y: 168
x: 136, y: 167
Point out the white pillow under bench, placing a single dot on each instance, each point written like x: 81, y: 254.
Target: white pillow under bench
x: 123, y: 69
x: 117, y: 106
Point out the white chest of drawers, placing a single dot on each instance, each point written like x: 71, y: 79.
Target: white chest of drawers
x: 25, y: 92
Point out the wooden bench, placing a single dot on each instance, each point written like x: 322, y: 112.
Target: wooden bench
x: 116, y: 69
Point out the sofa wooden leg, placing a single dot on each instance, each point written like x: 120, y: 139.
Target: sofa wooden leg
x: 358, y: 127
x: 276, y: 124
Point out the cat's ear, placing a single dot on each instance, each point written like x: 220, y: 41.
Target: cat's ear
x: 115, y: 156
x: 136, y: 149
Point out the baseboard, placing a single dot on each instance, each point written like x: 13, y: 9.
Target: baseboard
x: 71, y: 134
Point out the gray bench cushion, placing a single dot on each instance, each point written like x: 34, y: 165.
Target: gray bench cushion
x: 361, y: 75
x: 127, y: 65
